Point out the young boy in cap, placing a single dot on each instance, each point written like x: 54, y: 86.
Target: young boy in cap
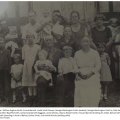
x: 67, y: 70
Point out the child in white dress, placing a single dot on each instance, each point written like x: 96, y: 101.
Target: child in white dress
x: 16, y: 75
x: 106, y: 76
x: 43, y: 67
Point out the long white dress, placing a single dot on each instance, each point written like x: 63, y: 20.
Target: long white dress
x: 87, y: 92
x: 29, y: 55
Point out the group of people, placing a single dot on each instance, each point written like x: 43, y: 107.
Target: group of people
x: 73, y: 58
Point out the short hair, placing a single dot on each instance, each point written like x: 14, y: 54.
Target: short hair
x: 54, y: 11
x: 78, y: 14
x: 66, y: 47
x: 67, y: 25
x: 115, y: 20
x: 44, y: 52
x: 99, y: 16
x: 16, y: 56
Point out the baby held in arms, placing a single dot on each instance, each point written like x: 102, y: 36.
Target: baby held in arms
x: 44, y: 67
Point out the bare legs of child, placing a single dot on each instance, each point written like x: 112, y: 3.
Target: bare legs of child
x: 104, y: 94
x: 32, y: 94
x: 14, y: 96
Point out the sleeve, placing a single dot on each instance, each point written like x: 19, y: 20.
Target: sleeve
x: 9, y: 60
x: 92, y: 44
x: 75, y: 66
x: 35, y: 66
x: 92, y: 34
x: 23, y: 32
x: 22, y: 68
x: 97, y: 66
x: 60, y: 67
x: 86, y: 32
x: 108, y: 59
x: 51, y: 65
x: 109, y: 33
x: 11, y: 70
x: 117, y: 38
x: 23, y: 53
x: 75, y: 59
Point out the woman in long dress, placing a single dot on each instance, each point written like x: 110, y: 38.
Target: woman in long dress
x: 29, y: 52
x: 87, y: 85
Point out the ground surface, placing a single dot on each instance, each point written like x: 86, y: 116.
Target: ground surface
x: 113, y: 99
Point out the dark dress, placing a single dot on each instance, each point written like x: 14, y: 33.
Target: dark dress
x: 5, y: 63
x: 77, y: 36
x: 70, y: 42
x: 101, y: 37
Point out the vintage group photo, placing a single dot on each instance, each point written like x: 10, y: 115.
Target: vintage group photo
x: 59, y: 54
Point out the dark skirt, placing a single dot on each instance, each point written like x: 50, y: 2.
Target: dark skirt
x: 65, y: 90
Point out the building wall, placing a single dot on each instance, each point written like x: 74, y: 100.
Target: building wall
x: 86, y: 9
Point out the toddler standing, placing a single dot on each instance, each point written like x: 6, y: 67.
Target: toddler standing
x: 106, y: 76
x: 16, y: 75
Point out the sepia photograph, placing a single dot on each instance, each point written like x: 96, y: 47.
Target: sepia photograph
x: 59, y: 54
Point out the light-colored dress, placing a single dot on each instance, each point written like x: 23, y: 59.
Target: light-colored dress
x: 87, y: 92
x: 29, y: 55
x: 47, y: 75
x: 16, y: 70
x: 105, y: 69
x: 29, y: 28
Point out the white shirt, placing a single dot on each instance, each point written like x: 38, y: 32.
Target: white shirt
x: 17, y: 70
x: 88, y: 62
x: 67, y: 65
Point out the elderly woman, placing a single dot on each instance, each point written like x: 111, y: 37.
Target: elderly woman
x: 79, y: 29
x: 87, y: 85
